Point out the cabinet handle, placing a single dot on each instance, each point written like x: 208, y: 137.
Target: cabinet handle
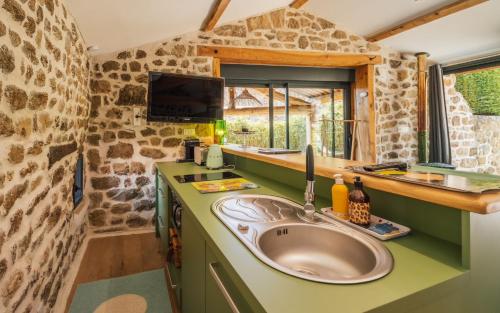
x: 169, y: 277
x: 222, y: 288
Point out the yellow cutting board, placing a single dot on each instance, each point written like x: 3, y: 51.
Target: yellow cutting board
x: 223, y: 185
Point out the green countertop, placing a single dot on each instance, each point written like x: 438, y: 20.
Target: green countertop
x: 420, y: 261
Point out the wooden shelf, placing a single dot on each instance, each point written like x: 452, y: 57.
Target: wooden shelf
x: 485, y: 203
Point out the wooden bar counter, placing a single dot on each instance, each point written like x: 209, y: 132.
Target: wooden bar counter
x: 485, y: 203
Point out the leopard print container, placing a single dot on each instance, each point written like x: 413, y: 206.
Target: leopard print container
x: 359, y: 213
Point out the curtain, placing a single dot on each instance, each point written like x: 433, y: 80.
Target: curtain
x: 439, y: 139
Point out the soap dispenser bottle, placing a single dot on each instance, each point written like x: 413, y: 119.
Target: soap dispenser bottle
x: 359, y: 204
x: 340, y: 195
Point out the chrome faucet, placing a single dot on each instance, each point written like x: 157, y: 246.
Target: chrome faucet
x: 309, y: 208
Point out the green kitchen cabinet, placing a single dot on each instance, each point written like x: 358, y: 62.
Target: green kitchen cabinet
x: 162, y: 197
x: 447, y: 264
x: 215, y: 288
x: 161, y: 212
x: 206, y: 283
x: 221, y: 294
x: 193, y: 267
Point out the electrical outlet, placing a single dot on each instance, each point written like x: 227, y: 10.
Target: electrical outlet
x: 137, y: 116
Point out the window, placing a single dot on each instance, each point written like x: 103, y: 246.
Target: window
x: 479, y: 83
x: 247, y: 107
x: 472, y: 93
x: 289, y: 117
x: 78, y: 181
x: 481, y: 89
x: 288, y: 113
x: 317, y: 117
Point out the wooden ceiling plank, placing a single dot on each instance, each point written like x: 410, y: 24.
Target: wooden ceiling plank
x: 281, y: 97
x: 426, y: 18
x: 215, y: 14
x: 297, y: 4
x: 231, y: 55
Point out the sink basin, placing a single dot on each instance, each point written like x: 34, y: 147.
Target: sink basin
x: 322, y: 250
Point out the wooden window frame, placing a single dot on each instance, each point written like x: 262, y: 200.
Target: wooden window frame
x: 363, y: 64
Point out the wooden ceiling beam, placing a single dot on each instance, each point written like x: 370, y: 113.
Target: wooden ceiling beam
x: 297, y: 4
x: 281, y: 97
x: 215, y: 13
x: 231, y: 55
x: 426, y: 18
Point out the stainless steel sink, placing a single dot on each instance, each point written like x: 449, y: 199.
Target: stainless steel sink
x: 323, y: 250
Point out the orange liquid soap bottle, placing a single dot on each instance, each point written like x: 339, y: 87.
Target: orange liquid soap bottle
x: 340, y: 194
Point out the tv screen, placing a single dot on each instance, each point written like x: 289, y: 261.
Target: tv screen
x: 184, y: 98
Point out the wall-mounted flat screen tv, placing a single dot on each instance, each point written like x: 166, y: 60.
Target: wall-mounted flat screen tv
x: 185, y: 98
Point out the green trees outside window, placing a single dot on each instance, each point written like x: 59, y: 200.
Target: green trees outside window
x: 481, y: 90
x: 311, y: 111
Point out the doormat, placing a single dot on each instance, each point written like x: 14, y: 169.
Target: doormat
x: 138, y: 293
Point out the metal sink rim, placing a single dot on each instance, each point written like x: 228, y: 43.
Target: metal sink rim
x: 384, y: 260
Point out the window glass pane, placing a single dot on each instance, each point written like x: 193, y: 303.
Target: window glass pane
x: 279, y: 117
x: 481, y: 90
x: 247, y: 107
x: 316, y: 116
x: 300, y: 119
x: 311, y: 111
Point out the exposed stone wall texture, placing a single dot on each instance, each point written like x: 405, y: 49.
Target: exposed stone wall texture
x: 44, y: 75
x: 396, y: 105
x: 121, y: 156
x: 475, y: 139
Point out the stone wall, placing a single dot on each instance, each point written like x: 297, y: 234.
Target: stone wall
x: 474, y: 139
x: 396, y: 105
x: 121, y: 156
x: 44, y: 74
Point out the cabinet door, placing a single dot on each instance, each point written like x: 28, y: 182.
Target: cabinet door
x: 163, y: 233
x: 215, y: 302
x: 193, y: 266
x: 162, y: 198
x: 221, y: 292
x: 158, y: 202
x: 161, y: 213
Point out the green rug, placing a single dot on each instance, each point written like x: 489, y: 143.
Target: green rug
x: 145, y: 292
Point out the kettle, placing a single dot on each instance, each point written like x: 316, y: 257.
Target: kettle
x: 214, y: 157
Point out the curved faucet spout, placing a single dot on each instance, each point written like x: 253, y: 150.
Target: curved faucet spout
x: 309, y: 208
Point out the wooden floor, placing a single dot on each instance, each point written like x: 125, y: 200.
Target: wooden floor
x: 115, y: 256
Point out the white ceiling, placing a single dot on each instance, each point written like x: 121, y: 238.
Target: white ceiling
x: 365, y: 18
x: 114, y: 25
x: 472, y: 32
